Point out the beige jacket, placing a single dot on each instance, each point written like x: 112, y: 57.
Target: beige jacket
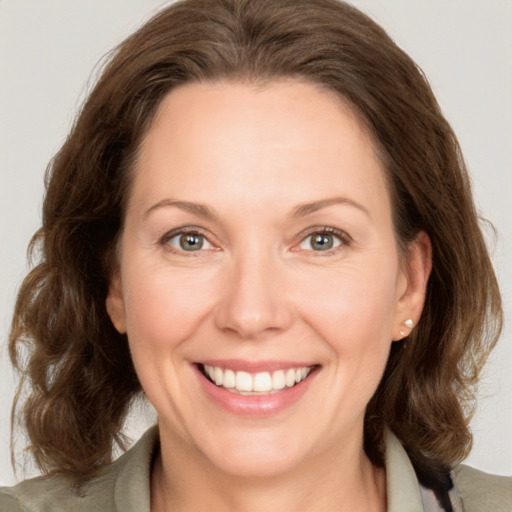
x: 124, y: 487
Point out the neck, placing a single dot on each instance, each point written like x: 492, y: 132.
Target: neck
x: 343, y: 481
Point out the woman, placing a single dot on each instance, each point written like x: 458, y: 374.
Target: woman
x: 261, y: 221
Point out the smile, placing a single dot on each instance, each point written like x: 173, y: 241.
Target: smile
x: 246, y: 383
x: 255, y: 389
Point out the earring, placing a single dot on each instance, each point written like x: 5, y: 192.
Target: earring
x: 409, y: 324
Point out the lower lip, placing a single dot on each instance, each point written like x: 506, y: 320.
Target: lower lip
x: 254, y: 405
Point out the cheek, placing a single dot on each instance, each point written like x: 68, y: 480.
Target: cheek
x: 352, y: 309
x: 164, y: 308
x: 353, y: 315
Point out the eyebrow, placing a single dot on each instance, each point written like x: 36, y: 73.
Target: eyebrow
x: 299, y: 211
x: 308, y: 208
x: 197, y: 209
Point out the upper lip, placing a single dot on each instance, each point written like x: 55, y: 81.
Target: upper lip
x: 255, y: 366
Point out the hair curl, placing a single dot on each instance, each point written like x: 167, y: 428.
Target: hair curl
x: 77, y: 367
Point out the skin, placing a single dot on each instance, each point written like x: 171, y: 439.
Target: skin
x: 259, y: 291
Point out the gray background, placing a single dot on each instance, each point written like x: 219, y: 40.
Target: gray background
x: 48, y: 49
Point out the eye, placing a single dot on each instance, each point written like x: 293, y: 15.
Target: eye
x: 189, y: 242
x: 321, y: 241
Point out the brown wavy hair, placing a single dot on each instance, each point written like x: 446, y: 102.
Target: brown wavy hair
x: 77, y: 377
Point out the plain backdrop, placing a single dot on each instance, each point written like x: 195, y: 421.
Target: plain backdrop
x: 48, y: 49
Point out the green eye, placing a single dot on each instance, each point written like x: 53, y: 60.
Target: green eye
x: 321, y: 242
x: 189, y: 242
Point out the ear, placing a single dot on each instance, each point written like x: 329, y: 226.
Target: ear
x: 115, y: 303
x: 412, y: 286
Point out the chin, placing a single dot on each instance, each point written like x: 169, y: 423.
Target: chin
x: 258, y: 464
x: 256, y: 455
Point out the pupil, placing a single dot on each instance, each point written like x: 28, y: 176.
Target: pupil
x: 191, y: 242
x: 322, y: 242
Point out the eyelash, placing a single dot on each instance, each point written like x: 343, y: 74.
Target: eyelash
x: 342, y: 237
x: 192, y: 230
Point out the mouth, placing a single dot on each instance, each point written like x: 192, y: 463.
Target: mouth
x: 257, y: 383
x: 255, y: 389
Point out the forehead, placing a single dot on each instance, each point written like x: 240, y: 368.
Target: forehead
x: 258, y: 140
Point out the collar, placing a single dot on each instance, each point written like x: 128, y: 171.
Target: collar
x: 133, y: 469
x: 402, y: 485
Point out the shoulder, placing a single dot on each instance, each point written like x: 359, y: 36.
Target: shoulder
x: 56, y: 494
x: 482, y: 492
x: 123, y: 486
x: 9, y: 503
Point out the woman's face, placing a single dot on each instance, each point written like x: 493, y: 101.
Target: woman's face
x: 259, y: 248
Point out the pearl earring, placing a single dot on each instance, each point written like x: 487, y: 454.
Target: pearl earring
x: 409, y: 324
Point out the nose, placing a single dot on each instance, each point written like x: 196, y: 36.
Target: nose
x: 253, y: 302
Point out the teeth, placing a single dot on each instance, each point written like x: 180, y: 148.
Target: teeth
x: 290, y: 378
x: 243, y: 381
x: 229, y: 379
x: 261, y: 382
x: 218, y: 376
x: 278, y: 380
